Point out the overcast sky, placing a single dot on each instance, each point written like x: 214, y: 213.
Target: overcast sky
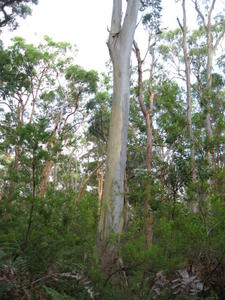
x: 83, y: 23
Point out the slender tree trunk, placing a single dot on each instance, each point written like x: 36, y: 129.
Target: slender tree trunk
x: 208, y: 123
x: 193, y: 204
x: 148, y: 121
x: 211, y: 49
x: 188, y: 89
x: 17, y: 151
x: 148, y: 115
x: 48, y: 165
x: 147, y: 112
x: 150, y: 125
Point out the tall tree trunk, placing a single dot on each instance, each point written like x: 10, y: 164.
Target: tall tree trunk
x: 193, y: 204
x: 211, y: 49
x: 112, y: 206
x: 150, y: 125
x: 188, y: 90
x: 120, y: 45
x: 210, y: 52
x: 148, y: 115
x: 147, y: 112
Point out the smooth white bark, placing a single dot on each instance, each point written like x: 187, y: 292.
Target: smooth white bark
x: 120, y: 44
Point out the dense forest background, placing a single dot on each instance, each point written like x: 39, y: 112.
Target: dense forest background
x: 54, y: 124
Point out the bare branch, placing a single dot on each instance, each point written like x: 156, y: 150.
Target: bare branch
x: 4, y: 103
x: 200, y: 13
x: 210, y: 11
x: 140, y: 81
x: 88, y: 179
x: 221, y: 35
x: 179, y: 23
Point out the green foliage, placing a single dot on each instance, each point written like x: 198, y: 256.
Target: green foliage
x: 98, y: 108
x: 88, y: 78
x: 10, y: 10
x: 152, y: 14
x: 62, y: 240
x: 56, y: 295
x: 170, y: 113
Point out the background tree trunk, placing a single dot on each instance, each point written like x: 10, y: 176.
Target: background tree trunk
x: 148, y: 115
x: 211, y: 49
x: 188, y: 90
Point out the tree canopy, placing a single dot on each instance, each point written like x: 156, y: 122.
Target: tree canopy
x: 10, y: 10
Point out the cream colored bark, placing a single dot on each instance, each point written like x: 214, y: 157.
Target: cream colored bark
x: 120, y: 44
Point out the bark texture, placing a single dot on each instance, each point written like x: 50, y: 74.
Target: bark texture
x: 120, y: 44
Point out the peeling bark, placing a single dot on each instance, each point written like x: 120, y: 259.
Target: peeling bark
x: 46, y: 173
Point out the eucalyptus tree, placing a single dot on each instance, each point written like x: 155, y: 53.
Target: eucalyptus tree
x: 120, y: 42
x: 120, y: 45
x: 188, y: 87
x: 214, y: 33
x: 151, y: 22
x: 206, y: 101
x: 25, y: 71
x: 79, y: 84
x: 41, y: 83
